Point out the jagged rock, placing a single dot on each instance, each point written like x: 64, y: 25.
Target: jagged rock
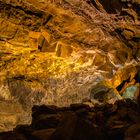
x: 33, y: 41
x: 82, y: 43
x: 39, y: 40
x: 63, y: 50
x: 46, y: 42
x: 7, y: 30
x: 106, y: 121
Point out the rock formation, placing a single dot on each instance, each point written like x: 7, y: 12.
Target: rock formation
x: 56, y: 52
x: 120, y: 121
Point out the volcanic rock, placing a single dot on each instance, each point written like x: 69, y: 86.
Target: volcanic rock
x: 53, y: 52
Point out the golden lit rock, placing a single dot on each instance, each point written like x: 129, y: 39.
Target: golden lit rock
x: 63, y: 50
x: 54, y: 52
x: 39, y: 40
x: 7, y: 30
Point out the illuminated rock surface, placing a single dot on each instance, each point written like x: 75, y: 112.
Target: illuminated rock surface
x: 56, y: 52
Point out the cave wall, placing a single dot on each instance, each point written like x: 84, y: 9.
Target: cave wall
x: 55, y: 52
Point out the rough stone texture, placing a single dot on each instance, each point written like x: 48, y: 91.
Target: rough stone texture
x: 119, y: 121
x: 56, y: 51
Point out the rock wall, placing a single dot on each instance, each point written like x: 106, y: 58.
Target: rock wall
x: 55, y: 52
x: 81, y: 122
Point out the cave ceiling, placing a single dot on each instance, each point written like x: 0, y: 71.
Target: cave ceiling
x: 55, y: 51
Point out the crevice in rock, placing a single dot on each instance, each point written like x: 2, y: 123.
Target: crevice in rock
x: 119, y: 88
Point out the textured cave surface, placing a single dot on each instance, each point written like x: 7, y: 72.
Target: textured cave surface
x: 119, y: 121
x: 59, y: 52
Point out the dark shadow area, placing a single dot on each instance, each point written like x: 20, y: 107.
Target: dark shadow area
x: 117, y: 121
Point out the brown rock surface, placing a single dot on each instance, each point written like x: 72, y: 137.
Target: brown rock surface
x: 54, y: 52
x: 81, y: 122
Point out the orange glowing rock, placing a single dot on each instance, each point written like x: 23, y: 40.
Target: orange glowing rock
x: 63, y: 50
x: 33, y: 39
x: 39, y: 40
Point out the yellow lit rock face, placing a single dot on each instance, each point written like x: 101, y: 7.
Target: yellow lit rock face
x: 54, y: 52
x: 39, y: 40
